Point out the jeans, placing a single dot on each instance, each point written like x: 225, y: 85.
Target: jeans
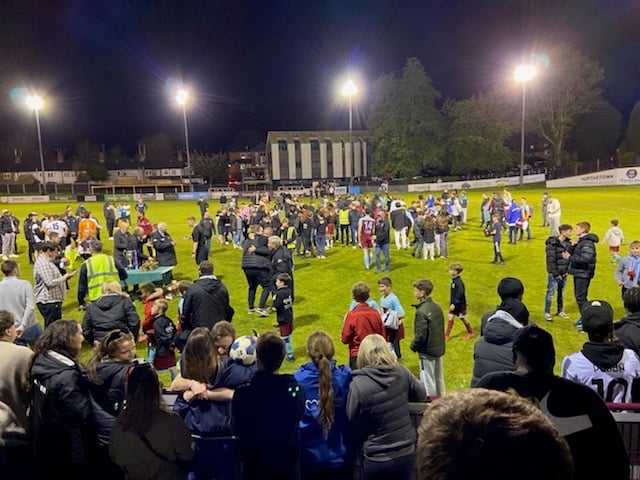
x: 354, y: 234
x: 321, y: 244
x: 513, y: 233
x: 384, y: 248
x: 552, y: 285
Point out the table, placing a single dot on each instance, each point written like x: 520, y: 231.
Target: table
x: 162, y: 275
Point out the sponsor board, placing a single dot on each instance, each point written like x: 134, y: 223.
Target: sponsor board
x: 617, y: 176
x: 119, y: 197
x: 192, y: 195
x: 26, y: 199
x: 471, y: 184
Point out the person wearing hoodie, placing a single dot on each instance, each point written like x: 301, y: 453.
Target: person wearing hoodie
x: 603, y: 364
x: 493, y: 350
x: 378, y: 408
x: 627, y: 330
x: 112, y: 311
x: 206, y: 300
x: 514, y: 220
x: 60, y: 407
x: 327, y: 450
x: 582, y: 263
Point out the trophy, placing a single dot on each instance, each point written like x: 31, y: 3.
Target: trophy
x: 129, y: 256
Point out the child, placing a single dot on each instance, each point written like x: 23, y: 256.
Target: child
x: 183, y: 285
x: 429, y: 234
x: 390, y: 301
x: 615, y: 238
x: 149, y: 293
x: 223, y: 336
x: 165, y: 333
x: 629, y: 268
x: 458, y: 302
x: 283, y: 304
x: 496, y: 236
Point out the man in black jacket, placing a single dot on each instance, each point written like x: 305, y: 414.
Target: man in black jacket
x: 281, y: 261
x: 381, y: 241
x: 557, y: 269
x: 627, y: 330
x: 206, y: 301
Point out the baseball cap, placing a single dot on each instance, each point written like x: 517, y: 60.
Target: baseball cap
x: 537, y: 347
x: 597, y: 317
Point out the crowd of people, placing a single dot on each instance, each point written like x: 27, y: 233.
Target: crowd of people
x: 107, y: 418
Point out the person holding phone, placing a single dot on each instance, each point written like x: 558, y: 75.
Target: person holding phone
x: 49, y: 288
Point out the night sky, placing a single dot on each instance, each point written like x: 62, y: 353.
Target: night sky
x: 257, y: 65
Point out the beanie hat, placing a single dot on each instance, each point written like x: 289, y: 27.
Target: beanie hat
x: 510, y: 287
x: 597, y: 317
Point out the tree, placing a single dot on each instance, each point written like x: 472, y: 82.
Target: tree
x: 477, y: 129
x: 404, y: 123
x: 85, y: 152
x: 599, y: 132
x: 97, y: 172
x: 159, y: 148
x: 212, y: 166
x: 633, y: 130
x: 117, y: 157
x: 562, y: 94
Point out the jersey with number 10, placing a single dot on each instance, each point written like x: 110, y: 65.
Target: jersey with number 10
x: 612, y: 384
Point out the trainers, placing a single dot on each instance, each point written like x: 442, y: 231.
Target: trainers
x: 290, y: 358
x: 578, y: 323
x: 13, y: 255
x: 262, y: 311
x: 548, y: 317
x: 468, y: 336
x: 563, y: 315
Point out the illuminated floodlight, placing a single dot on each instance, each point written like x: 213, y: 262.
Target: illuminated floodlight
x: 349, y: 89
x: 34, y: 102
x: 524, y: 73
x: 182, y: 96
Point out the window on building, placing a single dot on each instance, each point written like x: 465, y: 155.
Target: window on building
x: 315, y: 159
x: 298, y: 156
x: 329, y: 158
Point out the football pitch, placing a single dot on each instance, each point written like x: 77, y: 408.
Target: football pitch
x: 323, y: 286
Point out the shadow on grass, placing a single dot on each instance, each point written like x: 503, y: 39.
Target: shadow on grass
x: 306, y: 319
x: 300, y: 266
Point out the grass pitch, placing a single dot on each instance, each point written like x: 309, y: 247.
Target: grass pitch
x: 323, y: 286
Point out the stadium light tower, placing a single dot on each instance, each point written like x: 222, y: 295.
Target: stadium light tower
x: 182, y: 96
x: 349, y: 90
x: 523, y: 74
x: 34, y: 102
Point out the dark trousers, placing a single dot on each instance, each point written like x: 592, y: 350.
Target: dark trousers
x: 50, y: 312
x: 397, y: 469
x: 258, y: 277
x: 580, y: 291
x: 29, y: 336
x: 344, y: 234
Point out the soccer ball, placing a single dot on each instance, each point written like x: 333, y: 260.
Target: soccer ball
x: 243, y: 350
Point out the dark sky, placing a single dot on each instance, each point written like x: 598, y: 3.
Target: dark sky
x: 260, y: 65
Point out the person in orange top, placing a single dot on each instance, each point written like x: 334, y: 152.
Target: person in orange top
x: 87, y: 224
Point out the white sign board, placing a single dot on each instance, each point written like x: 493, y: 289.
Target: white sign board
x: 617, y: 176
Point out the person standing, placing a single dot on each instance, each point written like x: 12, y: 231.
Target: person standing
x: 124, y: 243
x: 381, y: 241
x: 557, y: 269
x: 389, y: 301
x: 60, y: 408
x: 49, y: 288
x: 545, y: 206
x: 378, y: 406
x: 203, y: 205
x: 429, y: 341
x: 327, y: 449
x: 582, y: 263
x: 96, y: 270
x: 457, y: 302
x: 281, y: 261
x: 553, y: 214
x: 360, y: 321
x: 164, y: 246
x: 199, y: 249
x: 8, y: 230
x: 495, y: 232
x: 400, y: 223
x: 33, y: 235
x: 17, y: 297
x: 628, y: 271
x: 256, y: 266
x: 366, y: 228
x: 206, y: 300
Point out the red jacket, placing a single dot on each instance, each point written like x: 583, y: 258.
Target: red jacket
x: 358, y: 323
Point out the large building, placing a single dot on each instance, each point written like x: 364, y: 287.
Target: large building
x: 320, y: 155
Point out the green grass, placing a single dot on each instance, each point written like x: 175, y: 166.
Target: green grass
x: 323, y: 287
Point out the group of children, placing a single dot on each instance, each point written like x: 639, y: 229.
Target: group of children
x: 162, y: 334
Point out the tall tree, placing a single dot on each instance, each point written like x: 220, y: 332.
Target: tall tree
x: 562, y: 93
x: 212, y: 166
x: 599, y: 133
x: 404, y: 122
x: 633, y: 130
x: 477, y: 129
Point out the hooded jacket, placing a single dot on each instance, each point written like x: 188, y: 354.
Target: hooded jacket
x: 206, y: 303
x: 336, y: 449
x: 110, y: 312
x: 378, y: 406
x: 582, y: 263
x: 556, y: 264
x: 59, y: 413
x: 627, y: 330
x: 493, y: 351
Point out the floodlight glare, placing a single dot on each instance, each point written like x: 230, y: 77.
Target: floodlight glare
x: 182, y: 96
x: 524, y: 73
x: 349, y: 89
x: 34, y: 102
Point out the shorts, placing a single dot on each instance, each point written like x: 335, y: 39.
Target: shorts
x: 285, y: 329
x: 461, y: 313
x: 613, y: 249
x: 331, y: 229
x: 366, y: 241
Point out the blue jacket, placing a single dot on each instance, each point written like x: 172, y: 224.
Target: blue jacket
x: 317, y: 451
x: 514, y: 214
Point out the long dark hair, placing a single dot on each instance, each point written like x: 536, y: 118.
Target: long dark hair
x: 321, y: 351
x: 143, y: 400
